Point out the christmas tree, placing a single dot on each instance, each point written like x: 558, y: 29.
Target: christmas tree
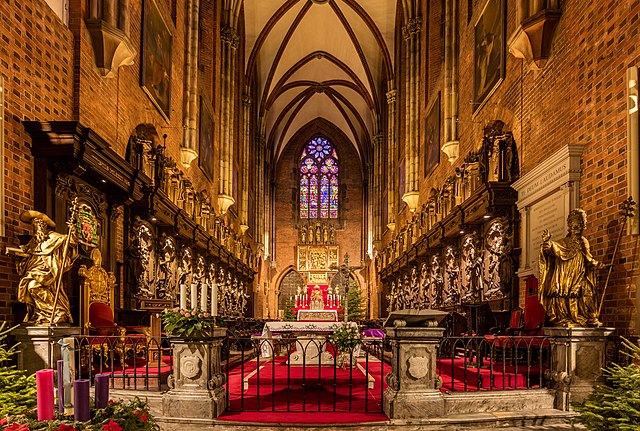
x: 289, y: 310
x: 355, y: 303
x: 615, y: 405
x: 17, y: 390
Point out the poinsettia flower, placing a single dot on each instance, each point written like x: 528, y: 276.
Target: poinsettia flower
x: 142, y: 415
x: 65, y: 427
x: 112, y: 426
x: 17, y: 427
x: 4, y: 421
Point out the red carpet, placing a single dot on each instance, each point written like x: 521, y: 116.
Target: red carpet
x: 303, y: 417
x: 280, y: 388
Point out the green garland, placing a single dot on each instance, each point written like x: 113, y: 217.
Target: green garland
x: 615, y: 405
x: 17, y: 389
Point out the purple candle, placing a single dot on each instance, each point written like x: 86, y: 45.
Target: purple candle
x: 60, y: 366
x: 81, y: 400
x: 44, y: 390
x: 102, y: 390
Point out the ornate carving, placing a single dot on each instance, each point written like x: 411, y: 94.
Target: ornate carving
x: 418, y: 367
x: 230, y: 36
x: 142, y: 252
x: 412, y: 27
x: 190, y: 366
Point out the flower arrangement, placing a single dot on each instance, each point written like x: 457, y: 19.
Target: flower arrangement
x: 346, y: 338
x: 194, y: 323
x: 119, y: 415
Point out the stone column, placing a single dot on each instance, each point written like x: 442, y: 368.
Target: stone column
x: 577, y: 358
x: 413, y: 382
x: 197, y: 381
x: 39, y: 346
x: 391, y: 159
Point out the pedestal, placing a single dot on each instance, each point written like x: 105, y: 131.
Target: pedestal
x: 197, y: 381
x: 39, y: 346
x: 577, y: 358
x: 413, y: 382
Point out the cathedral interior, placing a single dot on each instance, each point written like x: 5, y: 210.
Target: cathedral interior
x: 268, y: 158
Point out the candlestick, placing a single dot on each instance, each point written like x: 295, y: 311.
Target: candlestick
x: 44, y: 390
x: 194, y: 296
x: 214, y: 299
x: 183, y: 296
x: 81, y: 400
x: 67, y: 345
x: 203, y: 296
x: 102, y: 390
x: 60, y: 381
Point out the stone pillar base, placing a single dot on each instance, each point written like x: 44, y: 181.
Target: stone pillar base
x: 578, y: 356
x: 194, y: 404
x: 39, y: 346
x: 413, y: 405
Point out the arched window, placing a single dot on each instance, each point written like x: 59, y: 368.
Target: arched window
x: 318, y: 180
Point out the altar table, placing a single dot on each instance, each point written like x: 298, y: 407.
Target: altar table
x: 308, y: 328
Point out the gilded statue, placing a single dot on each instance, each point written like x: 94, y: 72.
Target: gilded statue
x: 98, y: 282
x: 568, y: 276
x: 42, y: 262
x: 316, y: 299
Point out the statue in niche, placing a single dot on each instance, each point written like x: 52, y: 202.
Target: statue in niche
x: 311, y: 235
x: 332, y: 234
x: 452, y: 270
x: 438, y: 282
x: 494, y: 156
x: 325, y: 234
x: 166, y: 259
x: 473, y: 271
x: 199, y: 271
x: 303, y: 235
x: 568, y: 276
x: 142, y: 252
x: 318, y: 234
x: 425, y: 295
x: 494, y: 241
x: 185, y: 267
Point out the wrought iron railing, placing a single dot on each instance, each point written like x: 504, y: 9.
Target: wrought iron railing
x: 304, y: 374
x: 132, y: 362
x: 493, y: 362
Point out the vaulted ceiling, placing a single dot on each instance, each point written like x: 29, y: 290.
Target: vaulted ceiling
x: 311, y: 59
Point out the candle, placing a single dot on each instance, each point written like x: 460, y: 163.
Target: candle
x: 67, y: 345
x: 194, y: 296
x: 203, y: 296
x: 183, y: 296
x: 44, y: 390
x: 81, y: 400
x: 102, y: 390
x: 214, y: 299
x: 60, y: 377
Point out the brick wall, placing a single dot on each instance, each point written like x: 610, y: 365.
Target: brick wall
x: 578, y: 98
x: 36, y: 63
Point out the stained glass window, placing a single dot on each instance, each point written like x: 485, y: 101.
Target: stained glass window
x: 319, y: 180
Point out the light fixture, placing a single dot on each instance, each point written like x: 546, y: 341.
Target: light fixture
x: 486, y: 216
x: 224, y: 202
x: 412, y: 199
x: 103, y: 181
x: 461, y: 232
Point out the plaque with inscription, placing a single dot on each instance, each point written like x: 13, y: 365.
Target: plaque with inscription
x: 546, y: 214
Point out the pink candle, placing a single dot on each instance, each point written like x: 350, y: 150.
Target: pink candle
x: 44, y: 389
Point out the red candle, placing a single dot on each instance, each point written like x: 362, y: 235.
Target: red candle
x: 44, y: 389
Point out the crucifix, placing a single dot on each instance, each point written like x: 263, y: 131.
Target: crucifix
x: 346, y: 270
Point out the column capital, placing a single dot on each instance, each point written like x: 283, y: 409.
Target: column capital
x: 412, y: 27
x: 229, y: 35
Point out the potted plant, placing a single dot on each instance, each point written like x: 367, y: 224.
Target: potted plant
x: 346, y: 340
x: 184, y: 323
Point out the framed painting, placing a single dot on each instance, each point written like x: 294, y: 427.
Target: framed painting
x: 432, y: 137
x: 205, y: 152
x: 155, y: 71
x: 489, y: 52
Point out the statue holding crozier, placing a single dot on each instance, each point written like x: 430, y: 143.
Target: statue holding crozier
x: 568, y: 276
x: 41, y: 264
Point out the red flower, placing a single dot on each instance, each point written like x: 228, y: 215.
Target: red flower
x: 4, y: 421
x: 142, y: 415
x: 65, y: 427
x: 17, y: 427
x: 112, y: 426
